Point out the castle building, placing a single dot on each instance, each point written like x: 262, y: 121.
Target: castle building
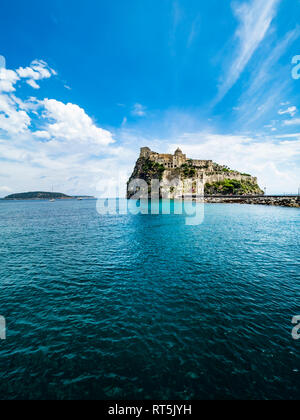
x: 175, y: 161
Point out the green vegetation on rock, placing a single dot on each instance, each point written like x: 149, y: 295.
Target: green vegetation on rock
x: 147, y: 170
x: 156, y: 168
x: 230, y: 186
x: 188, y: 171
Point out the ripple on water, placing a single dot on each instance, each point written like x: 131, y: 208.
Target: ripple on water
x: 146, y: 307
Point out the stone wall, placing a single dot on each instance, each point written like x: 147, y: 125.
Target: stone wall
x: 206, y: 165
x: 219, y: 177
x: 282, y: 201
x: 173, y: 186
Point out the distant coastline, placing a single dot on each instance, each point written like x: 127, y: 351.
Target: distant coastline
x: 42, y: 195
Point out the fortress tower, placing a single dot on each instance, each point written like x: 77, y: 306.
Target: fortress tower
x: 179, y: 159
x: 145, y: 152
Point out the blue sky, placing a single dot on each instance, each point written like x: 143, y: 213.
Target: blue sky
x: 86, y: 84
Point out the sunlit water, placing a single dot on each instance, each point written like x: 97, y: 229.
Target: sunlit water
x: 116, y: 307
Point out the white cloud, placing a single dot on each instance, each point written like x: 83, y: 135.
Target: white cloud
x: 33, y: 84
x: 12, y: 119
x: 38, y: 70
x: 255, y: 19
x: 266, y: 70
x: 138, y: 110
x: 289, y: 136
x: 8, y: 79
x: 71, y: 168
x: 177, y: 16
x: 45, y: 142
x: 267, y: 85
x: 5, y: 189
x: 194, y: 31
x: 2, y: 62
x: 292, y: 110
x: 70, y: 122
x: 42, y: 135
x: 57, y: 121
x: 295, y: 121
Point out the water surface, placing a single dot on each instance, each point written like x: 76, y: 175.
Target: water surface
x: 134, y: 307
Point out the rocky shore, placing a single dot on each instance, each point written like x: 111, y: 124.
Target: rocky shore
x: 283, y: 201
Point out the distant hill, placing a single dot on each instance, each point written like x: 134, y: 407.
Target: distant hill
x: 38, y: 195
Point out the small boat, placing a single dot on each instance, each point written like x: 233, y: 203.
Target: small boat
x: 79, y: 199
x: 52, y: 200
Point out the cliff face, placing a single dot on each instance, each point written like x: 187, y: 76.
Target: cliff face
x: 199, y: 176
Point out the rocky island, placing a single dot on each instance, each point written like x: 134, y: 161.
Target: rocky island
x: 216, y: 183
x: 214, y: 179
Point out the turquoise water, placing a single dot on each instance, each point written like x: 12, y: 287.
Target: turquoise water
x: 138, y: 307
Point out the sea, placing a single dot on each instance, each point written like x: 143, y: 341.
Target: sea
x: 124, y: 306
